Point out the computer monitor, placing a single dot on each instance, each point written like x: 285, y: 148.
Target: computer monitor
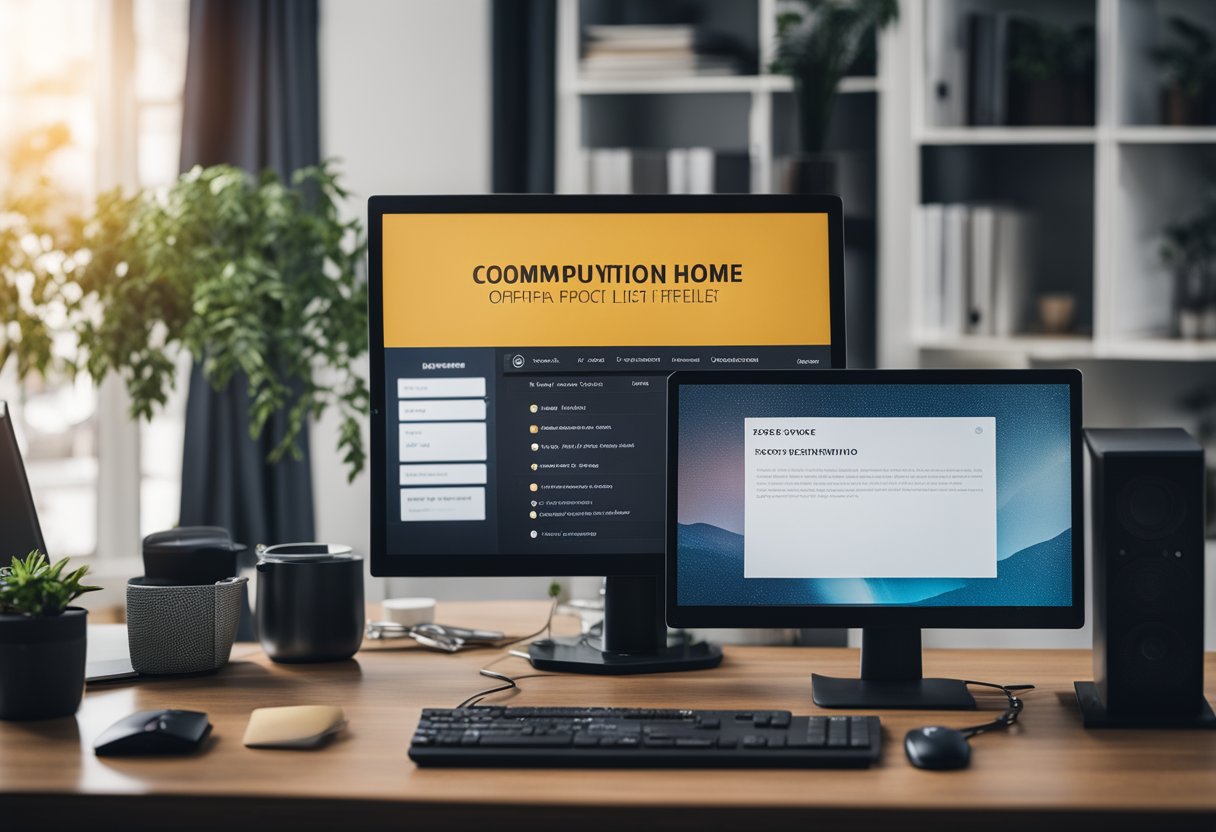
x: 19, y: 527
x: 883, y: 499
x: 519, y: 352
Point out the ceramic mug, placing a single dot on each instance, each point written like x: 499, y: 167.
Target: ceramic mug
x: 309, y: 602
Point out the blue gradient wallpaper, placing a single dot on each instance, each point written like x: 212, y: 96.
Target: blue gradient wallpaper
x: 1033, y: 493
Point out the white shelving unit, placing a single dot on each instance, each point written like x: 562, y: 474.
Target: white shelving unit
x: 1134, y: 176
x: 752, y: 96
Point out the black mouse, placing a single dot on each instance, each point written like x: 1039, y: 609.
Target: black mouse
x: 938, y: 748
x: 154, y: 732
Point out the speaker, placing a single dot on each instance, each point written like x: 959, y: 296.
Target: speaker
x: 1147, y: 527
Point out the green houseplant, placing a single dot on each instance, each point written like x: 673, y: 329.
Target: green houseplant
x: 42, y: 638
x: 817, y: 44
x: 257, y: 279
x: 1188, y: 73
x: 1188, y: 249
x: 1051, y: 73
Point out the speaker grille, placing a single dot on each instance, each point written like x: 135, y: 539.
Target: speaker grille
x: 1153, y: 654
x: 1151, y: 507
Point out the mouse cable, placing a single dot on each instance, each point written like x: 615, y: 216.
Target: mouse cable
x: 509, y: 681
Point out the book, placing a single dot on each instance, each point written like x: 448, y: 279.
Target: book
x: 677, y: 170
x: 649, y: 172
x: 700, y: 170
x: 986, y: 60
x: 946, y: 66
x: 1012, y: 272
x: 609, y: 170
x: 932, y: 219
x: 981, y: 277
x: 614, y: 52
x: 956, y: 238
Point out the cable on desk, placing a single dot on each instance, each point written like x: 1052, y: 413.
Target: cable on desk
x: 509, y: 681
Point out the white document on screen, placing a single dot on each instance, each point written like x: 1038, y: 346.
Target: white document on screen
x: 870, y: 497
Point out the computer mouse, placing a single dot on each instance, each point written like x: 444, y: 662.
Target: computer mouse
x: 938, y: 748
x: 154, y: 732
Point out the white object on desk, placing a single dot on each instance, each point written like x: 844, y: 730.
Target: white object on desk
x: 409, y: 612
x: 107, y: 655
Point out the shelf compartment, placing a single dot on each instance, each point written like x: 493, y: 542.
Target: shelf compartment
x: 1158, y: 184
x: 952, y: 71
x: 1054, y: 186
x: 1143, y: 25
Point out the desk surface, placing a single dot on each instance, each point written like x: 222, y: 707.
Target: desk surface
x: 1047, y: 769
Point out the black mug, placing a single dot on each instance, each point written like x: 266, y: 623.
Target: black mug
x: 310, y: 602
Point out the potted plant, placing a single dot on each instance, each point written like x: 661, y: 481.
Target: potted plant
x: 1188, y: 70
x: 1051, y: 73
x: 816, y: 46
x: 42, y: 639
x: 1189, y: 251
x: 257, y: 279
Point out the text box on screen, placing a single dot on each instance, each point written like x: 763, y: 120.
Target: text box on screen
x: 870, y: 497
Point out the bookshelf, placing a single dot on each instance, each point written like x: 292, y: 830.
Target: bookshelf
x: 750, y: 115
x: 1104, y: 190
x: 736, y: 112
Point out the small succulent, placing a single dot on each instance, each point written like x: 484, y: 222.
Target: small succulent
x: 33, y: 586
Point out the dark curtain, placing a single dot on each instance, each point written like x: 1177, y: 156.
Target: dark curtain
x: 250, y: 100
x: 524, y: 86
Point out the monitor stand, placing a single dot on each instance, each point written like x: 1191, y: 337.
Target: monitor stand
x: 634, y: 640
x: 891, y: 678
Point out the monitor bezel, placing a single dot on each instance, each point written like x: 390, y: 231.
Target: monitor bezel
x: 862, y: 615
x: 386, y: 564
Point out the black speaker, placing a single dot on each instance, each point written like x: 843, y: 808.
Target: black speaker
x: 1147, y: 529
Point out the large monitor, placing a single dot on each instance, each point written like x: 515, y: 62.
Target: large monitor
x: 519, y: 352
x: 883, y: 499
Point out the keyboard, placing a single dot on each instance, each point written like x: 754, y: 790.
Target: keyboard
x: 642, y: 738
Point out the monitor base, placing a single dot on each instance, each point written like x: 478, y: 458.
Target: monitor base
x: 909, y: 694
x: 581, y: 655
x: 1094, y: 715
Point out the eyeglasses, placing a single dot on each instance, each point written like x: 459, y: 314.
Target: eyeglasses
x: 1009, y: 717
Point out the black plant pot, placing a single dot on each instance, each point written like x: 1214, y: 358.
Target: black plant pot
x: 42, y: 664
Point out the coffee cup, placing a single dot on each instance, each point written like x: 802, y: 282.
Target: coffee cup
x: 309, y: 602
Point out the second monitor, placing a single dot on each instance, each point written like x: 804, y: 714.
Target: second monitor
x: 887, y: 500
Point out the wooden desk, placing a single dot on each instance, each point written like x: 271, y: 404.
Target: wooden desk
x: 1047, y: 771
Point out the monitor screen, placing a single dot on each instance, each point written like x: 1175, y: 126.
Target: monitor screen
x: 523, y: 358
x: 19, y: 528
x: 858, y: 494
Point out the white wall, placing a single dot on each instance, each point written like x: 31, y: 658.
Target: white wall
x: 405, y: 107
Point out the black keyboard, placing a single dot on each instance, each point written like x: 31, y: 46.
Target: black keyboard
x: 642, y: 737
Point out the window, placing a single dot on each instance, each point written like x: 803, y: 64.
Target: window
x: 90, y: 98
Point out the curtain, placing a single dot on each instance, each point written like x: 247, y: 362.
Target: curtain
x: 524, y: 35
x: 251, y: 100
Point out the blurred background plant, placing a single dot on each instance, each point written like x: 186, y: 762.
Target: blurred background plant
x: 255, y: 278
x: 1188, y: 249
x: 1187, y: 63
x: 817, y: 44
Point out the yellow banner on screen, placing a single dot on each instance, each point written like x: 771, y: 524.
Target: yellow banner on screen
x: 566, y: 280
